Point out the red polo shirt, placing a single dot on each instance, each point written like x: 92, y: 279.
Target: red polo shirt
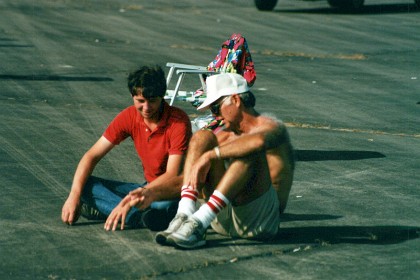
x: 171, y: 137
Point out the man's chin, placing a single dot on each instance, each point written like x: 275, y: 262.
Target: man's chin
x: 230, y: 128
x: 147, y: 115
x: 226, y: 127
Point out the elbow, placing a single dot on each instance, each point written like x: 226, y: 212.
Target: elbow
x: 260, y: 144
x: 91, y: 158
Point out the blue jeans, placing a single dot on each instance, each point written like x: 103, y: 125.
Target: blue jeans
x: 105, y: 195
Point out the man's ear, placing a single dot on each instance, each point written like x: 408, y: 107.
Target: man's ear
x: 236, y: 100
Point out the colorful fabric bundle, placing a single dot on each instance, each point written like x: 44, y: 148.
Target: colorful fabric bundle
x: 234, y: 57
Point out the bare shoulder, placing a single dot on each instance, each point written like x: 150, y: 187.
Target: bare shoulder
x: 273, y: 129
x: 269, y: 124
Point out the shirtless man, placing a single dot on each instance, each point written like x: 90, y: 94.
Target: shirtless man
x: 245, y: 172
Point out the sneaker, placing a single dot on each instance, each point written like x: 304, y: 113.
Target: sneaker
x: 191, y: 234
x: 91, y: 213
x: 161, y: 237
x: 136, y: 220
x: 156, y: 220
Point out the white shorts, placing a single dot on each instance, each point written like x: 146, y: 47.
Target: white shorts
x: 258, y: 219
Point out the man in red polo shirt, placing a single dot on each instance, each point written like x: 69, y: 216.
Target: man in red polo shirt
x: 160, y: 134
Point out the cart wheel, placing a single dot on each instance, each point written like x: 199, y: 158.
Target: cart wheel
x: 267, y: 5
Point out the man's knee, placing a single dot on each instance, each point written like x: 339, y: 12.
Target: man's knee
x: 203, y: 139
x: 252, y: 161
x: 90, y: 182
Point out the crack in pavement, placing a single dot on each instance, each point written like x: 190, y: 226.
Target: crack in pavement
x: 356, y: 130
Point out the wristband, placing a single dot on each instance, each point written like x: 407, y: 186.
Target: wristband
x: 217, y: 152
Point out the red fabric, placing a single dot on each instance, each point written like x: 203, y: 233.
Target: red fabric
x: 216, y: 203
x: 189, y: 193
x: 171, y: 137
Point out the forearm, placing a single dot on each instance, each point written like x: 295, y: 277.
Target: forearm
x: 83, y: 171
x: 239, y: 147
x: 166, y: 187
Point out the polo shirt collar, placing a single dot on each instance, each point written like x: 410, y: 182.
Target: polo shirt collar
x: 163, y: 120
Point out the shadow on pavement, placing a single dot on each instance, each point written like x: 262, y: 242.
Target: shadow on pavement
x: 287, y: 217
x: 16, y: 46
x: 315, y: 155
x: 329, y: 235
x: 55, y: 78
x: 366, y: 9
x: 373, y: 235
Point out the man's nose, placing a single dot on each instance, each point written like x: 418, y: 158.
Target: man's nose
x: 146, y: 105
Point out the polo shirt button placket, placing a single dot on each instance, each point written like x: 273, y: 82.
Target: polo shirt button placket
x: 150, y: 135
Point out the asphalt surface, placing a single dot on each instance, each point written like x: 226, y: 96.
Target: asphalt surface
x: 347, y: 85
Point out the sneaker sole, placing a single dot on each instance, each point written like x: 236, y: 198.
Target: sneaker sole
x: 180, y: 244
x: 162, y: 238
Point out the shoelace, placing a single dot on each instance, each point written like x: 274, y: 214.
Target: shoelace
x: 188, y: 227
x: 175, y: 222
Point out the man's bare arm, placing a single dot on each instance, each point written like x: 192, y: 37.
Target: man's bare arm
x: 266, y: 137
x: 83, y: 171
x: 166, y: 187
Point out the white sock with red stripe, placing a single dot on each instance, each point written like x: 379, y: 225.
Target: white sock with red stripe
x: 189, y: 197
x: 209, y: 211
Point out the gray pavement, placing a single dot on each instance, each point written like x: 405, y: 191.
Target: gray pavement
x: 347, y: 85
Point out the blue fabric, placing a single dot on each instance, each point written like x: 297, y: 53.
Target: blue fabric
x: 105, y: 195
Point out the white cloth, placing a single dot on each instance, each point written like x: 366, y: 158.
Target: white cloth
x: 259, y: 218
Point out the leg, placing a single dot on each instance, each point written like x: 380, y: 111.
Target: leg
x: 258, y: 219
x: 244, y: 181
x: 104, y: 195
x: 201, y: 142
x: 254, y: 212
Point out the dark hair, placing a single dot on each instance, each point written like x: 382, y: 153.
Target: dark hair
x: 248, y: 98
x: 149, y: 79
